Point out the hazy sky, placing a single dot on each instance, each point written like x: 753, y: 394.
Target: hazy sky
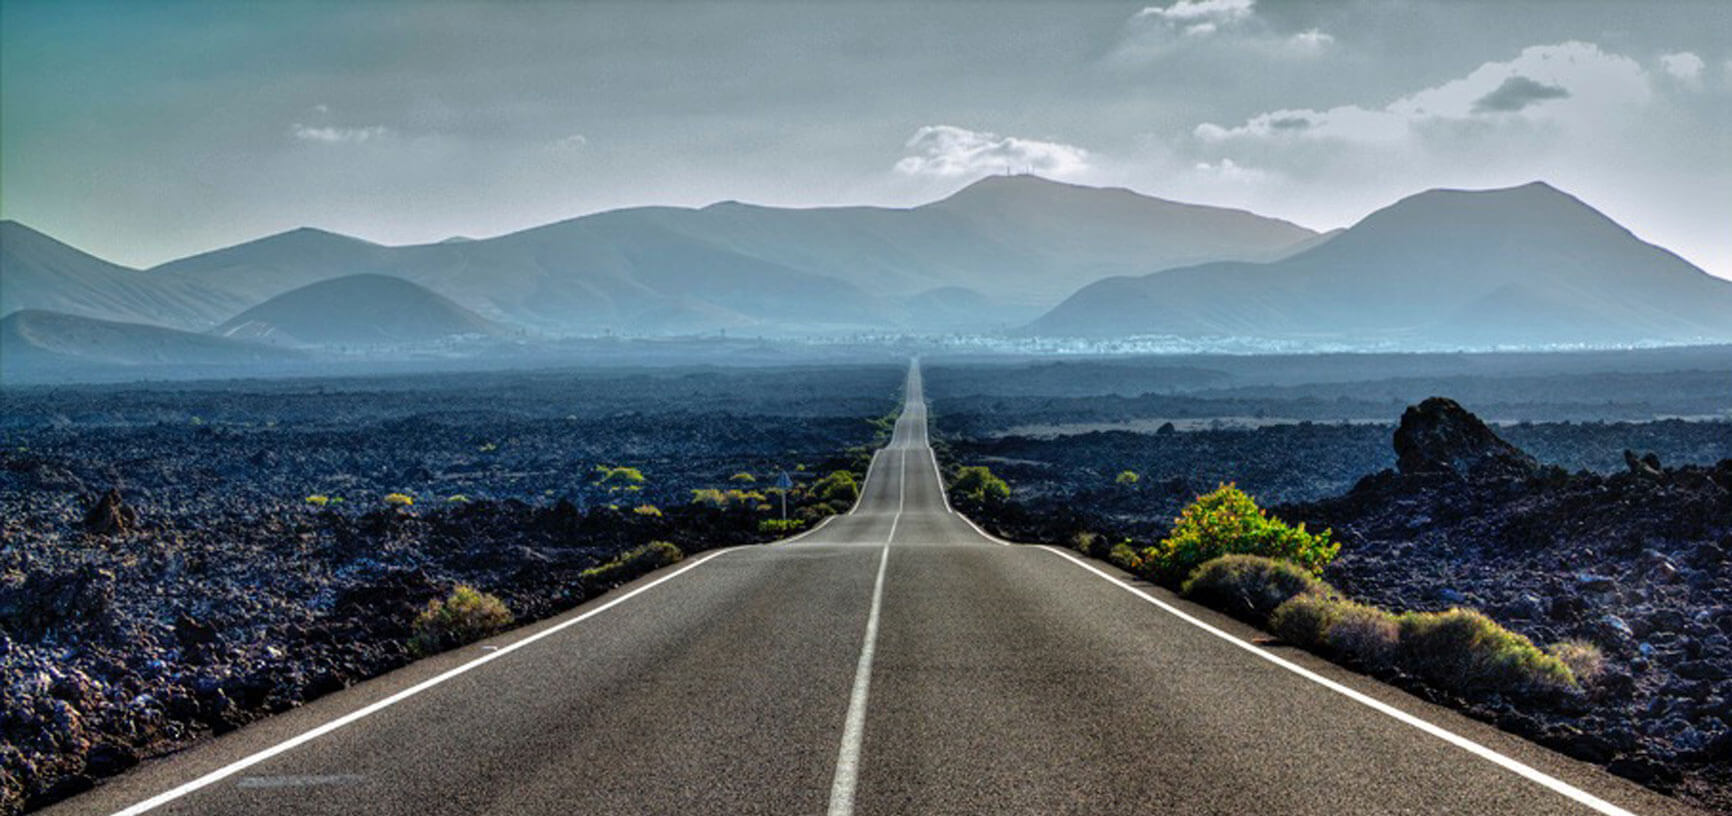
x: 146, y: 131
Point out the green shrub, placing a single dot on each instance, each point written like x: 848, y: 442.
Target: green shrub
x: 977, y: 482
x: 1366, y: 635
x: 616, y: 477
x: 633, y: 562
x: 1585, y: 660
x: 839, y: 486
x: 1250, y: 586
x: 465, y: 616
x: 1125, y: 557
x: 1087, y: 543
x: 776, y: 525
x: 1226, y: 521
x: 1304, y: 620
x: 1127, y: 477
x: 1466, y: 651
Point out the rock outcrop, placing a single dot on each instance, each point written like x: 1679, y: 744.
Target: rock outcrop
x: 1439, y: 435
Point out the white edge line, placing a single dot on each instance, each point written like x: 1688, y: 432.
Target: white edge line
x: 1514, y: 766
x: 843, y: 784
x: 372, y: 708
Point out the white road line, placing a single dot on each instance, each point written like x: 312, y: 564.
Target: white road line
x: 312, y: 734
x: 854, y: 726
x: 1514, y: 766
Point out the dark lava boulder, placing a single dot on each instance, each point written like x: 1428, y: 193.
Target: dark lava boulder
x: 1439, y: 435
x: 109, y: 515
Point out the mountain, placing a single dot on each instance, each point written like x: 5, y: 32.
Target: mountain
x: 40, y: 273
x: 1016, y: 245
x: 35, y: 342
x: 1520, y: 266
x: 356, y: 310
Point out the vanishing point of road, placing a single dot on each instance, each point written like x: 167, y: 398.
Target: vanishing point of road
x: 893, y: 661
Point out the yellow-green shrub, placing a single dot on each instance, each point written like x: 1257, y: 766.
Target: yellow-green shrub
x: 1227, y: 521
x: 1125, y: 557
x: 633, y: 562
x: 1365, y: 634
x: 1466, y: 651
x: 1585, y: 660
x: 1250, y: 586
x: 776, y: 525
x: 978, y: 482
x: 465, y: 616
x: 647, y: 510
x: 399, y: 499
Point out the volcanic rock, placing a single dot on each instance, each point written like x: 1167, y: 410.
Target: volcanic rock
x: 109, y: 515
x: 1439, y: 435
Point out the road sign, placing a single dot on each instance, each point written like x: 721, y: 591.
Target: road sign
x: 783, y: 482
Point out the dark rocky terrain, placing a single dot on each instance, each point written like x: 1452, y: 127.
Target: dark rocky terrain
x: 1613, y: 531
x: 164, y: 575
x: 1636, y: 562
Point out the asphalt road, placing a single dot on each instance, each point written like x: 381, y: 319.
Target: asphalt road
x: 895, y: 661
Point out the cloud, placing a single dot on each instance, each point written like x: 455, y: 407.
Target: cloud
x: 1684, y: 67
x: 330, y: 134
x: 1581, y: 82
x: 1200, y: 17
x: 946, y: 150
x: 575, y: 141
x: 1516, y: 93
x: 1158, y: 30
x: 1310, y: 42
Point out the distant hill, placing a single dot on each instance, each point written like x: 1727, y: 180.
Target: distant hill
x: 1020, y: 243
x: 35, y: 342
x: 356, y: 310
x: 1518, y: 266
x: 40, y: 273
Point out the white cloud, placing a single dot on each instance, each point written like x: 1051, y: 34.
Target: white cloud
x: 330, y: 134
x: 1684, y: 67
x: 1200, y: 17
x: 1310, y: 42
x: 1565, y: 83
x: 1158, y: 30
x: 946, y: 150
x: 575, y: 141
x: 1228, y: 170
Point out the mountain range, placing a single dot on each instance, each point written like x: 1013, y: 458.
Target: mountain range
x: 1521, y: 266
x: 1017, y: 255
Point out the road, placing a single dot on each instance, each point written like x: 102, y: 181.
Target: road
x: 894, y: 661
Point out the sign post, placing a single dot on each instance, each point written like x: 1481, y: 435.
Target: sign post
x: 784, y: 484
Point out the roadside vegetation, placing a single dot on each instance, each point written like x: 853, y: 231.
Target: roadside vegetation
x: 1226, y: 552
x: 464, y: 616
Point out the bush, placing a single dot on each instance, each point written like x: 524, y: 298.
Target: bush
x: 743, y: 477
x: 647, y: 510
x: 1305, y: 619
x: 465, y: 616
x: 633, y: 562
x: 839, y: 486
x: 1087, y: 543
x: 1125, y: 557
x: 1226, y: 521
x: 1127, y: 477
x: 399, y: 499
x: 977, y: 482
x: 1585, y: 660
x: 1250, y: 587
x: 1366, y: 635
x: 1466, y: 651
x: 614, y: 477
x: 776, y: 525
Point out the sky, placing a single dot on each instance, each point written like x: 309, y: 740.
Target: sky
x: 147, y: 131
